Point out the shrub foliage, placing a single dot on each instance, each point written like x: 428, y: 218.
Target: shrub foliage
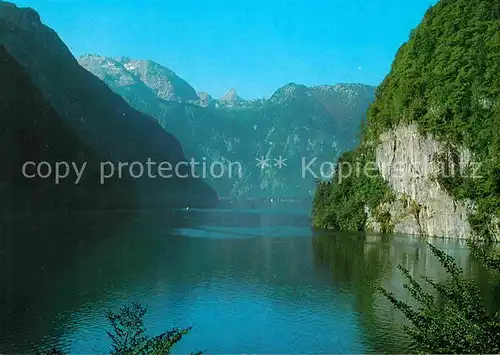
x: 128, y: 334
x: 453, y: 319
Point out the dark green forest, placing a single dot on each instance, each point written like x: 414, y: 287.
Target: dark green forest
x: 446, y: 80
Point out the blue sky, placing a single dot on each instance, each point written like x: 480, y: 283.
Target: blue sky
x: 255, y: 46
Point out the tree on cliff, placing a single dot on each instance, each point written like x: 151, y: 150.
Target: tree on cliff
x: 445, y: 80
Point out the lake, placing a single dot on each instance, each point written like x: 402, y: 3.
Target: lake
x: 248, y: 278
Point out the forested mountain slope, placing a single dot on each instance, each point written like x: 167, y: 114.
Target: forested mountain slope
x: 432, y: 133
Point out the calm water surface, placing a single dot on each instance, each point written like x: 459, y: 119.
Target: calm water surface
x: 248, y: 279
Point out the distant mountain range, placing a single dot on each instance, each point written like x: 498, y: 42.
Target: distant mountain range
x: 295, y: 123
x: 147, y: 78
x: 53, y: 110
x: 296, y: 126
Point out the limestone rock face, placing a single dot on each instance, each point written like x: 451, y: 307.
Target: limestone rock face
x: 408, y: 162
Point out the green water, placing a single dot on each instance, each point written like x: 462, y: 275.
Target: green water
x: 249, y: 279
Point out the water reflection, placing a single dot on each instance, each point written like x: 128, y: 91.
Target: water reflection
x: 359, y: 262
x: 249, y: 286
x: 253, y: 280
x: 35, y: 251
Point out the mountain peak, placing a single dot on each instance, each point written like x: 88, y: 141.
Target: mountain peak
x: 165, y: 84
x: 205, y: 99
x: 290, y: 90
x: 204, y: 96
x: 231, y: 96
x: 24, y: 17
x: 97, y: 118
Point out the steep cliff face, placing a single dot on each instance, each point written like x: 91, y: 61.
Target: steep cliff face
x: 410, y: 164
x: 431, y: 134
x: 414, y: 168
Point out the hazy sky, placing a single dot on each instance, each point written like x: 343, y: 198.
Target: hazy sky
x: 255, y: 46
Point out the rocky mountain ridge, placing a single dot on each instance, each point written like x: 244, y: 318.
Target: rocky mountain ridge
x: 296, y: 122
x: 122, y: 72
